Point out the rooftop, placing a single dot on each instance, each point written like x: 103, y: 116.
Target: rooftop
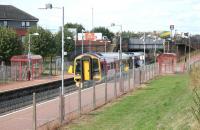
x: 9, y: 12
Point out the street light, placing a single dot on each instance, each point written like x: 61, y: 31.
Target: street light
x: 49, y: 6
x: 29, y: 53
x: 189, y: 35
x: 105, y: 40
x: 120, y: 49
x: 155, y: 42
x: 82, y: 31
x: 112, y: 25
x: 144, y: 44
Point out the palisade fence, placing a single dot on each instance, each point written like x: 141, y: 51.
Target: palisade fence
x: 92, y: 95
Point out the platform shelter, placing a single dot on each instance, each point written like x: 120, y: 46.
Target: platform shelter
x: 167, y: 63
x: 22, y: 69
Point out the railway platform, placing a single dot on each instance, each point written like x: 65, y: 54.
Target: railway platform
x: 15, y: 85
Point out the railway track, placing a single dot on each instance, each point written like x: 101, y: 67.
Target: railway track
x: 16, y: 99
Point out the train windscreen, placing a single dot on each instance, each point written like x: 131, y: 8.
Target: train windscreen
x: 78, y: 66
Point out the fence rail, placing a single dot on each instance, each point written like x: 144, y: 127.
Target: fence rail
x: 88, y: 98
x: 94, y: 95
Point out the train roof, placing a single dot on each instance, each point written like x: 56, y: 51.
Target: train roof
x: 136, y: 53
x: 111, y: 56
x: 108, y: 56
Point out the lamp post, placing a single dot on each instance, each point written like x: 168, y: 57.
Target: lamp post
x: 105, y: 40
x: 112, y: 25
x: 49, y: 6
x: 189, y: 50
x: 29, y: 53
x: 120, y: 51
x: 144, y: 44
x: 155, y: 41
x: 82, y: 39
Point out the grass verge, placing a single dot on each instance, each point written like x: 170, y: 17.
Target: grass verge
x: 164, y: 103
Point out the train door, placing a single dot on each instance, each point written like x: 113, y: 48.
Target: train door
x: 86, y: 69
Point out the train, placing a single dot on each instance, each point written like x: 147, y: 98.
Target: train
x: 94, y: 66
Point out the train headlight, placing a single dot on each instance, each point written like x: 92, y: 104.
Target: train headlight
x: 96, y: 77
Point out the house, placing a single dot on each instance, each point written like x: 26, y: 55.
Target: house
x: 17, y: 19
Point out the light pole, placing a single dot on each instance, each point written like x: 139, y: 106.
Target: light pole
x: 171, y: 28
x: 155, y: 41
x: 120, y: 49
x: 144, y: 44
x: 105, y: 40
x: 189, y: 50
x: 29, y: 53
x: 82, y: 39
x: 120, y: 44
x: 49, y: 6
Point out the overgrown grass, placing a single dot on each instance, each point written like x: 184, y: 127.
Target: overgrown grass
x: 164, y: 104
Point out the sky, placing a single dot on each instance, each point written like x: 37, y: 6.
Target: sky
x: 133, y: 15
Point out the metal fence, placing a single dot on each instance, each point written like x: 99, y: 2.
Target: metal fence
x: 93, y: 95
x: 5, y: 74
x: 78, y: 101
x: 11, y: 73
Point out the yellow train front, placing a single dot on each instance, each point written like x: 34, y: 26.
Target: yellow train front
x: 94, y: 66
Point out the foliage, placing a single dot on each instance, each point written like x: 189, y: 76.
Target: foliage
x: 9, y: 44
x: 104, y: 31
x: 79, y: 27
x: 195, y: 77
x: 129, y: 34
x: 43, y: 44
x: 196, y: 106
x: 195, y: 85
x: 68, y: 41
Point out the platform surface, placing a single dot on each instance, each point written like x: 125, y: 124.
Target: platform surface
x: 25, y: 84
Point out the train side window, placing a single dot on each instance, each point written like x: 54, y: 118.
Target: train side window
x: 95, y: 66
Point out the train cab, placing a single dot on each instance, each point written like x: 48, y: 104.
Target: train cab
x: 94, y: 66
x: 86, y: 67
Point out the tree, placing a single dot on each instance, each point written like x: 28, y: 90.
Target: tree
x: 79, y: 27
x: 68, y: 41
x: 129, y: 34
x: 43, y: 44
x: 104, y: 31
x: 10, y: 44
